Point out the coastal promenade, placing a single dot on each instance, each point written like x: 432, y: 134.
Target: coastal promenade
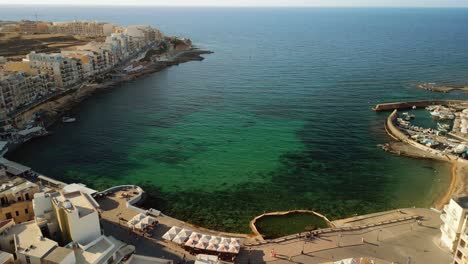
x: 384, y: 236
x: 395, y: 242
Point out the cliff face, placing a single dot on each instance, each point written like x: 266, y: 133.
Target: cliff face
x: 181, y: 44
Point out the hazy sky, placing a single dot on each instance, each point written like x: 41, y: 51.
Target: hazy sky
x: 378, y: 3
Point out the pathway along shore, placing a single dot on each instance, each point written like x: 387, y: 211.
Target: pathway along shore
x: 407, y: 147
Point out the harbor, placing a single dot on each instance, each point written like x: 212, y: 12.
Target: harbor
x: 445, y: 141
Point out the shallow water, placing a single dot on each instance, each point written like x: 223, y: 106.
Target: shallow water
x: 278, y: 118
x: 274, y: 226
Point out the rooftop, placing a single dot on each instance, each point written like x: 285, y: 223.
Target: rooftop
x: 139, y: 259
x: 77, y: 200
x: 78, y: 187
x: 29, y: 240
x: 58, y: 254
x: 97, y: 251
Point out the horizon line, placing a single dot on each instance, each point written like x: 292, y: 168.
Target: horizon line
x: 235, y: 6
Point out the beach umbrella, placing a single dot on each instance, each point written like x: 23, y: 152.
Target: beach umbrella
x: 201, y: 244
x: 138, y: 217
x: 148, y: 220
x: 140, y: 226
x: 191, y: 242
x: 234, y: 243
x: 225, y: 241
x: 132, y: 222
x: 212, y: 247
x: 179, y: 240
x: 233, y: 249
x: 171, y: 233
x: 195, y: 236
x: 205, y: 239
x: 215, y: 240
x: 182, y: 236
x: 223, y: 248
x: 185, y: 233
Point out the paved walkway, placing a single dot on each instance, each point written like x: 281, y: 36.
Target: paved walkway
x: 401, y: 242
x: 398, y: 242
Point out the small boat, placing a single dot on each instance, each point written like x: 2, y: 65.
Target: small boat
x: 443, y: 126
x: 68, y: 119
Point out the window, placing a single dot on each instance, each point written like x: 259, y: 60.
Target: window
x: 20, y: 199
x: 28, y: 260
x: 17, y: 213
x: 8, y: 216
x: 26, y: 211
x: 462, y: 243
x: 26, y: 196
x: 459, y: 254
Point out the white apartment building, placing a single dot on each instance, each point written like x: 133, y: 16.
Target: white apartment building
x: 82, y: 28
x: 460, y: 255
x: 73, y: 215
x: 18, y: 89
x: 66, y: 71
x: 453, y: 217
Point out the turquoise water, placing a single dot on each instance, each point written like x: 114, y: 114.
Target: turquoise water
x: 278, y: 118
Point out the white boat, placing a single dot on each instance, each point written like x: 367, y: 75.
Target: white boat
x: 68, y: 119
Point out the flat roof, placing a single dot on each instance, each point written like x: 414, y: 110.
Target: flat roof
x: 58, y: 254
x: 102, y: 249
x: 29, y: 238
x: 78, y: 187
x: 79, y: 201
x: 13, y: 167
x: 139, y: 259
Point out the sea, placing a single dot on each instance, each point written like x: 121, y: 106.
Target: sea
x: 278, y: 118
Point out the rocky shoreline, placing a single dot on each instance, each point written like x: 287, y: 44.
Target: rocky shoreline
x: 433, y: 87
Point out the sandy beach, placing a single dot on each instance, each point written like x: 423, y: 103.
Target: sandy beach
x: 459, y: 172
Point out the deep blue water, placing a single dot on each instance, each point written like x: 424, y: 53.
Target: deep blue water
x: 277, y: 118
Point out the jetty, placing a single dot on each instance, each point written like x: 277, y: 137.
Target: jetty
x: 417, y: 104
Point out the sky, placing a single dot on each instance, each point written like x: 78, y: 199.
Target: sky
x: 313, y: 3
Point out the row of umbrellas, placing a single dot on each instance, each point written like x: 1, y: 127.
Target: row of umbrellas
x: 192, y: 239
x: 141, y: 221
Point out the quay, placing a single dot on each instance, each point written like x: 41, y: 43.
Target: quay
x: 418, y: 104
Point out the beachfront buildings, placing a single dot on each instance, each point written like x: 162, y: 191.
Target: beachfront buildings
x: 16, y: 196
x: 65, y: 229
x: 18, y: 89
x: 75, y: 216
x: 65, y: 71
x: 461, y: 251
x: 453, y: 217
x: 42, y: 75
x: 82, y: 28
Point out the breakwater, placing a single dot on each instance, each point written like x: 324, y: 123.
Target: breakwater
x: 412, y: 104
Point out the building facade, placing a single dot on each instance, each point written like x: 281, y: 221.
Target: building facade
x: 453, y: 218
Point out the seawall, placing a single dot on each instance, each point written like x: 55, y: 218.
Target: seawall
x: 418, y: 104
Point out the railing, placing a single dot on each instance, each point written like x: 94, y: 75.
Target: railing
x: 333, y: 230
